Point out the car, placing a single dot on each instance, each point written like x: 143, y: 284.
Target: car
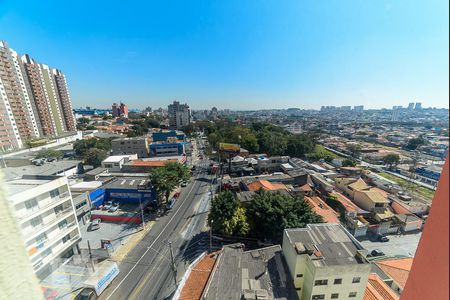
x: 95, y: 224
x: 107, y: 205
x: 382, y: 238
x: 184, y: 183
x: 377, y: 252
x: 170, y: 203
x: 50, y: 159
x: 114, y: 207
x: 87, y: 294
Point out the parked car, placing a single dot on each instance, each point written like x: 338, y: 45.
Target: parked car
x: 183, y: 183
x: 50, y: 159
x: 95, y: 224
x: 382, y: 238
x: 107, y: 205
x: 170, y: 203
x: 114, y: 207
x: 377, y: 252
x: 87, y: 294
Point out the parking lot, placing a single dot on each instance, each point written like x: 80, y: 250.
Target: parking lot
x: 397, y: 245
x: 117, y: 233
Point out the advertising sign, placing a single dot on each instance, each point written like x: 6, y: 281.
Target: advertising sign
x: 225, y: 147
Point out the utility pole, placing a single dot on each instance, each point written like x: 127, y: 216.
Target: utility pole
x: 210, y: 236
x: 90, y: 256
x: 174, y: 271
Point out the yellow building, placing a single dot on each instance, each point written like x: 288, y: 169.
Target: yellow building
x: 326, y: 262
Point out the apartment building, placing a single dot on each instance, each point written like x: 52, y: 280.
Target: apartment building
x: 17, y: 116
x: 326, y: 262
x: 179, y: 115
x: 46, y: 216
x: 34, y: 100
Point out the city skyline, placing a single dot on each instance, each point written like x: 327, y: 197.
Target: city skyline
x: 240, y: 56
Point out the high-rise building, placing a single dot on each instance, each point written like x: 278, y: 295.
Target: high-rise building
x: 418, y: 105
x: 34, y: 100
x: 411, y: 106
x: 179, y: 115
x: 358, y: 108
x: 17, y: 120
x: 120, y: 110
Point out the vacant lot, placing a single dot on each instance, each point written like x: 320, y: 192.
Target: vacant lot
x: 410, y: 186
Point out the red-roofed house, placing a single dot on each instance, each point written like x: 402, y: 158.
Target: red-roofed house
x: 265, y: 185
x: 398, y: 270
x: 328, y: 214
x: 377, y: 289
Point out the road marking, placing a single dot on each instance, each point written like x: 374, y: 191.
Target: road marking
x: 151, y: 245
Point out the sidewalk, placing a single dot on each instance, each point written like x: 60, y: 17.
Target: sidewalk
x: 130, y: 243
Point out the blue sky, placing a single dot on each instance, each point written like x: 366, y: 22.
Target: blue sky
x: 239, y: 54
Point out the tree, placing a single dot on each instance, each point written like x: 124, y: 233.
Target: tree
x: 166, y: 178
x: 95, y: 156
x: 349, y: 163
x: 354, y: 149
x: 82, y: 146
x: 334, y: 203
x: 298, y: 145
x: 226, y: 217
x: 391, y: 160
x: 271, y: 213
x: 47, y: 153
x: 415, y: 143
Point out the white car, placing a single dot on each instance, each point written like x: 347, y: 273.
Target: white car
x: 107, y: 205
x: 114, y: 207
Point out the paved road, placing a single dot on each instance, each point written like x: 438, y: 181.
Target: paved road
x: 146, y: 271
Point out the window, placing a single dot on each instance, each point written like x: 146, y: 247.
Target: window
x: 40, y: 239
x: 66, y: 238
x: 318, y: 297
x: 338, y: 281
x: 299, y: 275
x: 356, y: 280
x: 54, y: 193
x: 35, y: 222
x: 62, y: 224
x: 298, y: 289
x: 352, y: 295
x: 321, y: 282
x: 31, y: 204
x: 335, y: 296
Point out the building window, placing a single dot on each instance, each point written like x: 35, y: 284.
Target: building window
x: 321, y: 282
x: 352, y: 295
x: 335, y: 296
x: 298, y: 289
x: 35, y: 222
x: 31, y: 204
x: 54, y: 193
x: 338, y: 281
x: 299, y: 275
x: 356, y: 280
x: 62, y: 224
x: 318, y: 297
x: 66, y: 238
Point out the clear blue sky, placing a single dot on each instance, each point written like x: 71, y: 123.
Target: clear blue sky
x: 239, y: 54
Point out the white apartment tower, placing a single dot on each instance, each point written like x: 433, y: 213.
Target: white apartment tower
x: 326, y: 262
x: 46, y: 216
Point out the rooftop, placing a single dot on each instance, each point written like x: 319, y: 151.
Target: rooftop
x: 28, y: 182
x: 397, y: 269
x: 257, y: 272
x: 115, y: 158
x: 265, y: 185
x: 128, y: 183
x: 331, y: 244
x: 47, y: 169
x: 377, y: 289
x: 328, y: 214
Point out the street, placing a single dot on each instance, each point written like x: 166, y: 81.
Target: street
x: 146, y: 272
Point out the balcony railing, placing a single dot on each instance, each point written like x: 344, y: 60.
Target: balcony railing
x: 38, y: 208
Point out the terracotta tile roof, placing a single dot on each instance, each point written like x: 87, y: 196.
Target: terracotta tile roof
x: 265, y: 185
x: 359, y: 185
x: 384, y: 193
x: 397, y: 269
x: 321, y: 208
x: 198, y: 278
x: 374, y: 196
x: 305, y: 188
x: 156, y: 163
x: 377, y: 289
x: 348, y: 204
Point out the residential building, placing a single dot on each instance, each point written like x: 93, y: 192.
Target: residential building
x: 265, y: 185
x: 326, y: 262
x: 255, y: 274
x: 377, y: 289
x: 397, y: 270
x: 358, y: 108
x: 34, y: 100
x: 120, y: 110
x: 135, y: 145
x: 64, y: 99
x: 319, y: 206
x: 45, y: 213
x: 17, y: 118
x: 411, y: 106
x: 179, y: 115
x: 418, y: 106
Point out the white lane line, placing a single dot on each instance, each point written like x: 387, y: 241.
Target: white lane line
x: 151, y: 245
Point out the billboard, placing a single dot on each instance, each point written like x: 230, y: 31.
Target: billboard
x: 225, y: 147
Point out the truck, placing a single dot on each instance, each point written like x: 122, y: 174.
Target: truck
x: 99, y: 281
